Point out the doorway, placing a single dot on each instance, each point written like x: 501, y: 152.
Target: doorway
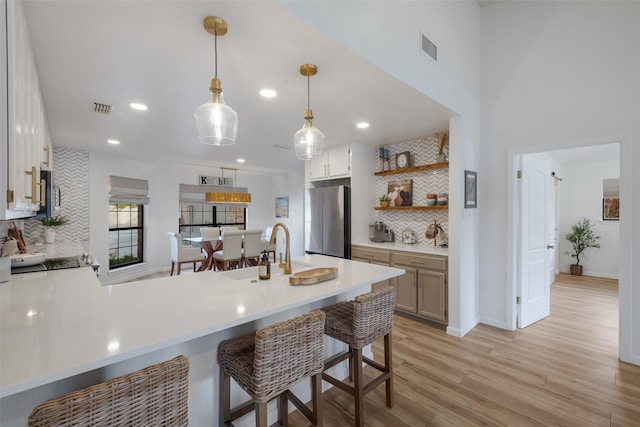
x: 559, y: 155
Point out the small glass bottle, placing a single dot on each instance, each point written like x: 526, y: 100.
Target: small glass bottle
x: 264, y: 269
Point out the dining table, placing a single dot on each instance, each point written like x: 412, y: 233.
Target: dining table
x: 209, y: 246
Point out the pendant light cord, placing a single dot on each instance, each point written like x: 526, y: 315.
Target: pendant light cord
x: 308, y: 93
x: 215, y: 44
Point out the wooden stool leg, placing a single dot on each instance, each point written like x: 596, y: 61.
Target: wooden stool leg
x: 358, y: 387
x: 388, y: 364
x: 350, y: 360
x: 225, y: 396
x: 283, y: 409
x: 316, y: 399
x: 173, y: 264
x: 261, y: 414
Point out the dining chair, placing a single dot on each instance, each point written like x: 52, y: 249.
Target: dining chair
x: 231, y: 254
x: 181, y: 254
x: 153, y: 396
x: 252, y: 247
x: 224, y: 228
x: 210, y: 233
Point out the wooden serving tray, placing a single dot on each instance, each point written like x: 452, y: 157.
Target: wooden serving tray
x: 313, y: 276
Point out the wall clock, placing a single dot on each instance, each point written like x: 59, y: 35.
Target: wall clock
x: 403, y: 160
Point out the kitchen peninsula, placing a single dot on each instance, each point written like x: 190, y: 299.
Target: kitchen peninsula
x: 62, y: 330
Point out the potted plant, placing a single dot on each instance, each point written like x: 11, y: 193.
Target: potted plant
x: 581, y: 237
x: 384, y: 201
x: 50, y: 224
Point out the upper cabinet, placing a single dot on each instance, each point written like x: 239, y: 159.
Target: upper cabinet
x: 333, y: 163
x: 25, y: 134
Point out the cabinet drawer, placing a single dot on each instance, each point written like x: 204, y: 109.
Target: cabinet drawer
x: 363, y: 253
x: 421, y: 261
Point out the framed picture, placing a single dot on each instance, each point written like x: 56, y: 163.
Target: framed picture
x: 611, y: 209
x: 282, y: 207
x: 400, y: 192
x: 470, y: 189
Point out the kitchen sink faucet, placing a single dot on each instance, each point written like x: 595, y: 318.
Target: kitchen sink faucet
x: 287, y: 264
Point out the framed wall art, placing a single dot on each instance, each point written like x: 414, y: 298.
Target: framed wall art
x: 400, y: 192
x: 282, y: 207
x: 470, y: 189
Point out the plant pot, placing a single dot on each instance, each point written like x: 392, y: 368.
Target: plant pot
x: 384, y: 204
x: 49, y: 235
x: 576, y: 270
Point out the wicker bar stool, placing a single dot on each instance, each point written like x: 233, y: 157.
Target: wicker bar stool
x: 268, y: 363
x: 153, y: 396
x: 358, y: 323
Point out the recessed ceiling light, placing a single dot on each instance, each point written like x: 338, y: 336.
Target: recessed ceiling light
x: 240, y: 160
x: 138, y: 106
x: 362, y: 125
x: 268, y: 93
x: 113, y: 141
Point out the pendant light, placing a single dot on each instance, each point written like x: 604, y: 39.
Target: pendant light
x: 230, y: 195
x: 308, y: 141
x: 216, y: 122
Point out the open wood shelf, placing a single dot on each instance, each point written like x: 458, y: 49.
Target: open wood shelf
x: 420, y: 168
x: 413, y: 208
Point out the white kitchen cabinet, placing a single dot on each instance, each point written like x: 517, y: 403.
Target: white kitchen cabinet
x: 24, y: 128
x: 333, y: 163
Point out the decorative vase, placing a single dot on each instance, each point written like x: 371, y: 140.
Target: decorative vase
x: 576, y: 270
x: 49, y: 235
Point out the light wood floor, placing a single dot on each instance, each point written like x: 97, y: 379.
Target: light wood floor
x: 561, y: 371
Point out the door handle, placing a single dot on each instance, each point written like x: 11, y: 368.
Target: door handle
x: 550, y: 246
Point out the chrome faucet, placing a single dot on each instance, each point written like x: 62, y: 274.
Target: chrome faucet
x: 272, y: 241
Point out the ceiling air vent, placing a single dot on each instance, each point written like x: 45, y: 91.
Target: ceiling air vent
x: 99, y: 107
x: 429, y: 48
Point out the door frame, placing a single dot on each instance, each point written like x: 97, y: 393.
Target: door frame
x: 625, y: 268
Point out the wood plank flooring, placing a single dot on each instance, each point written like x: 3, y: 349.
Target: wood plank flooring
x: 561, y: 371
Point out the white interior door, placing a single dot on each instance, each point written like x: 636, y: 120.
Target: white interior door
x: 535, y: 250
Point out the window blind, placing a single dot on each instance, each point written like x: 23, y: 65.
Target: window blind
x: 128, y: 190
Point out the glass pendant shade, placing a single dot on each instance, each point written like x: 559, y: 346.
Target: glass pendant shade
x: 308, y: 141
x: 216, y: 122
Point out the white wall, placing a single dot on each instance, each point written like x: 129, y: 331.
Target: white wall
x: 162, y: 214
x: 558, y: 74
x: 388, y: 35
x: 581, y: 197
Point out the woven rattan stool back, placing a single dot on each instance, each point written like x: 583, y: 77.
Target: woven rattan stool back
x: 153, y: 396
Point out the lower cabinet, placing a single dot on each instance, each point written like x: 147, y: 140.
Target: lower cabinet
x: 372, y: 256
x: 422, y: 290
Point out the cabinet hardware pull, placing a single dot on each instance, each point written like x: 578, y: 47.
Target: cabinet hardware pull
x: 550, y: 246
x: 46, y: 150
x: 416, y: 262
x: 34, y: 183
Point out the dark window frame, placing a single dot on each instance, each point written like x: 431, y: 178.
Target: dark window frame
x: 139, y: 257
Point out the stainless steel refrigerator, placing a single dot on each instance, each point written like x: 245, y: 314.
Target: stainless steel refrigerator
x: 328, y: 221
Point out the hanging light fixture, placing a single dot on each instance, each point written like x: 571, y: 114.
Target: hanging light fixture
x: 309, y: 140
x: 217, y: 123
x: 232, y: 195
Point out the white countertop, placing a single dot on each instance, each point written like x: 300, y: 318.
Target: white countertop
x: 421, y: 247
x: 57, y: 324
x: 58, y: 249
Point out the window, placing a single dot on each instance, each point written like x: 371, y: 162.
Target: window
x: 125, y: 234
x: 127, y: 197
x: 196, y: 215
